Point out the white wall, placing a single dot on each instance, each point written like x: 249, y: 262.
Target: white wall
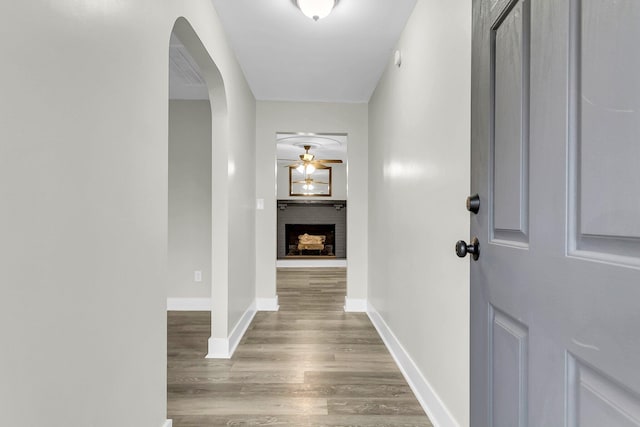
x: 189, y: 198
x: 83, y: 184
x: 338, y: 183
x: 273, y: 117
x: 419, y: 128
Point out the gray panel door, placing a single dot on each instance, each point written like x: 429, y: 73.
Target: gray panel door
x: 555, y: 293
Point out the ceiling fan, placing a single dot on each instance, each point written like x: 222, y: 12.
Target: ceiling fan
x: 308, y: 183
x: 308, y: 162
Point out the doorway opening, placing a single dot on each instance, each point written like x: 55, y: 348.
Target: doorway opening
x: 197, y: 200
x: 312, y: 199
x: 189, y: 207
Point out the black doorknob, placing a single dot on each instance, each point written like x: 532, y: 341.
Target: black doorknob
x: 462, y: 249
x: 473, y: 203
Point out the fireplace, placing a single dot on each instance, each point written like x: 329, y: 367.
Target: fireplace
x: 315, y: 217
x: 292, y: 231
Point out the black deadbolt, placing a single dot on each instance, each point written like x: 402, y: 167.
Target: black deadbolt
x: 462, y: 249
x: 473, y: 203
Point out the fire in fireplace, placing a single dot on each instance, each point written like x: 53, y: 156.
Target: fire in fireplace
x: 292, y: 231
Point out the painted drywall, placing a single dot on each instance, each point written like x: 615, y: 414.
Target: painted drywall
x: 419, y: 151
x: 84, y: 184
x: 189, y: 236
x: 273, y: 117
x: 338, y: 184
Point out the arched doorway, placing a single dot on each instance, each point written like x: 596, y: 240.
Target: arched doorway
x: 216, y: 167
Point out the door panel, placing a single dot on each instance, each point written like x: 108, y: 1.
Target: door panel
x: 607, y: 104
x: 555, y: 294
x: 510, y: 142
x: 595, y: 400
x: 509, y: 353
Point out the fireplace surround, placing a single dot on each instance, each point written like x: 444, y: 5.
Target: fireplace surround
x: 323, y: 218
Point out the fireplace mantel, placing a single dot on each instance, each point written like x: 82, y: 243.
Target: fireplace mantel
x: 337, y: 204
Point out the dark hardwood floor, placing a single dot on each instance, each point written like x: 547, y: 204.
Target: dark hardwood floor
x: 310, y: 364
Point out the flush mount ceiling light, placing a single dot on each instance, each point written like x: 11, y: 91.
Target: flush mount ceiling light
x: 316, y: 9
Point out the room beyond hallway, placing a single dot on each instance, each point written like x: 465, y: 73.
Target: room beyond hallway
x: 310, y: 364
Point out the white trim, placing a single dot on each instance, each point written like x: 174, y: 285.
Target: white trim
x: 168, y: 423
x: 218, y: 348
x: 310, y: 263
x: 427, y: 396
x: 355, y: 305
x: 188, y: 304
x: 223, y: 348
x: 267, y: 304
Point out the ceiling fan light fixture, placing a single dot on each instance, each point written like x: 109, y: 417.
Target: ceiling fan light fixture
x: 316, y: 9
x: 306, y: 169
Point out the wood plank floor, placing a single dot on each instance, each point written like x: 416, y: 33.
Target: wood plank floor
x: 310, y: 364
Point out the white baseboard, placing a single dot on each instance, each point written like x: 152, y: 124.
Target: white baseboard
x: 223, y: 348
x: 168, y: 423
x: 267, y: 304
x: 355, y: 305
x: 219, y: 348
x: 427, y: 396
x: 188, y: 304
x: 310, y: 263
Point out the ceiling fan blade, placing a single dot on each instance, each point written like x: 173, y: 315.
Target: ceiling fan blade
x: 320, y: 182
x: 329, y: 161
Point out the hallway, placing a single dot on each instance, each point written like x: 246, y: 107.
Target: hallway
x: 310, y: 364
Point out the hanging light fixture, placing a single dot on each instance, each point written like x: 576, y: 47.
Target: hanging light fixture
x: 316, y: 9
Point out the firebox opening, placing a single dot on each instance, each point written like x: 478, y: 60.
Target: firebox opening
x: 293, y: 246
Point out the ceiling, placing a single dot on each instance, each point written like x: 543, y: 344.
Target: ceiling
x: 185, y: 78
x: 289, y: 57
x: 324, y: 146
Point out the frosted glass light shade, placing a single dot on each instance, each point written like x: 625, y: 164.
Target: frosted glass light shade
x: 316, y: 9
x: 307, y: 170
